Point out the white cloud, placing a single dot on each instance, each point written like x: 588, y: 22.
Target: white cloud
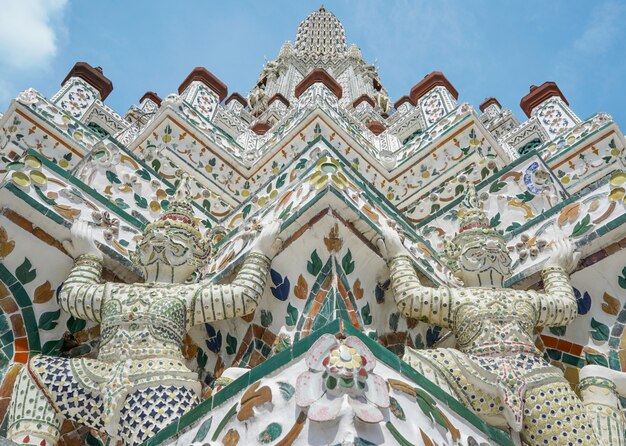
x: 28, y: 32
x: 602, y: 29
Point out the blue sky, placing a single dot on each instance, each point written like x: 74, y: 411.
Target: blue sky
x: 485, y: 48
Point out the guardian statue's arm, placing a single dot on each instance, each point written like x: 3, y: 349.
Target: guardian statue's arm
x: 82, y: 293
x: 557, y: 304
x: 433, y: 305
x: 216, y: 302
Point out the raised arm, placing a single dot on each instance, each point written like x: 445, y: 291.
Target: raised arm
x: 432, y: 305
x: 216, y: 302
x: 82, y: 293
x: 557, y: 304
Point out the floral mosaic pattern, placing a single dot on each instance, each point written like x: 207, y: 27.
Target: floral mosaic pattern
x: 330, y: 182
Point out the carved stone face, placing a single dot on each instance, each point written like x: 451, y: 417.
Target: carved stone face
x: 166, y: 254
x: 484, y: 261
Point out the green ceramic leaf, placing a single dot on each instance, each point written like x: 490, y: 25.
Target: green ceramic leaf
x: 143, y: 173
x: 231, y: 344
x: 112, y: 177
x: 218, y: 430
x: 600, y: 331
x: 44, y: 198
x: 202, y: 358
x: 91, y: 440
x: 246, y: 210
x: 15, y: 165
x: 24, y: 272
x: 425, y: 407
x: 496, y: 186
x: 52, y: 347
x: 286, y: 390
x: 285, y: 213
x: 281, y: 180
x: 428, y: 406
x: 419, y: 342
x: 397, y: 435
x: 513, y: 226
x: 421, y: 394
x: 394, y: 319
x: 396, y: 409
x: 495, y: 220
x: 525, y: 197
x: 622, y: 279
x: 366, y: 314
x: 141, y: 201
x: 266, y: 318
x: 203, y: 430
x: 582, y: 226
x: 271, y: 433
x: 75, y: 325
x: 596, y: 359
x: 558, y: 331
x: 436, y: 414
x: 347, y: 263
x: 48, y: 320
x: 314, y: 265
x: 292, y: 315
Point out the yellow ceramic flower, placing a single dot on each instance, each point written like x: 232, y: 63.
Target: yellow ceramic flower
x: 328, y: 169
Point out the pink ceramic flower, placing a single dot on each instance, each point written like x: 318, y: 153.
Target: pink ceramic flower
x: 340, y: 374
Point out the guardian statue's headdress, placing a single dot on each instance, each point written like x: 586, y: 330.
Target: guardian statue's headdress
x: 474, y: 229
x: 179, y: 218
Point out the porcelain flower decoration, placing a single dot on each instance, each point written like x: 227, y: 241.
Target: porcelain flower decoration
x: 340, y: 376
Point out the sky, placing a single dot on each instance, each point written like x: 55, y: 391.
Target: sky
x: 485, y: 48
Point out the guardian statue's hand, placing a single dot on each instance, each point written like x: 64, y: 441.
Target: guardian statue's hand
x: 564, y: 255
x: 267, y: 242
x: 390, y: 244
x: 82, y: 241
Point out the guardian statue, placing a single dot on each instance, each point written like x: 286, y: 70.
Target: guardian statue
x: 139, y: 382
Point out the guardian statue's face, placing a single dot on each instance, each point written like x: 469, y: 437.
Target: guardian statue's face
x: 484, y: 261
x: 167, y: 252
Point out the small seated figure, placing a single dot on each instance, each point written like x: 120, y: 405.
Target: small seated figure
x: 497, y: 370
x: 139, y: 383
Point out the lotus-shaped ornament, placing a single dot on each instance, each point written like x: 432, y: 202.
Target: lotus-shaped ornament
x: 340, y: 378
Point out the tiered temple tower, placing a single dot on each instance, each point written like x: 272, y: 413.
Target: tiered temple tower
x: 318, y: 145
